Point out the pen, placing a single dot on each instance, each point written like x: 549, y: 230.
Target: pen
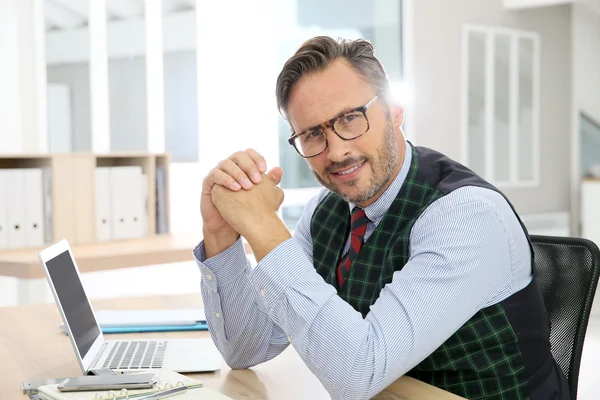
x: 165, y: 393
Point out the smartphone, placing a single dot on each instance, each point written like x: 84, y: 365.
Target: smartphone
x: 31, y: 387
x: 108, y: 382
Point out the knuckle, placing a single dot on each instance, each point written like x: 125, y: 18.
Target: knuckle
x: 221, y: 164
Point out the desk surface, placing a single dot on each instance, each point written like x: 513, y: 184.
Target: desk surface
x: 32, y: 347
x: 160, y: 249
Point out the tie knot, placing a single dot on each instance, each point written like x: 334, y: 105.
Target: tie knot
x: 358, y: 222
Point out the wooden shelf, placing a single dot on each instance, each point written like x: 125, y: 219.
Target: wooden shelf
x: 73, y: 189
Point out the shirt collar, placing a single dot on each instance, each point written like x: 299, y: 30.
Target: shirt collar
x: 376, y: 210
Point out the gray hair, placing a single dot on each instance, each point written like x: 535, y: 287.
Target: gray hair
x: 318, y: 53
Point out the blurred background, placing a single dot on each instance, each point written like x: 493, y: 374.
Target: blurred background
x: 511, y: 88
x: 507, y: 87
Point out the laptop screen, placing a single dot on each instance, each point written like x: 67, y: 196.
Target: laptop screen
x: 73, y: 301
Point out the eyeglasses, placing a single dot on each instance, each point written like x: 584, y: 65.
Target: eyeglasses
x: 347, y: 126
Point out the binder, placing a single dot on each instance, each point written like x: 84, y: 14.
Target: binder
x: 200, y: 326
x: 129, y: 321
x: 103, y: 204
x: 169, y: 381
x: 118, y: 201
x: 144, y: 207
x: 47, y: 193
x: 161, y: 201
x: 3, y: 213
x: 126, y: 202
x: 14, y: 188
x: 135, y: 202
x: 34, y: 207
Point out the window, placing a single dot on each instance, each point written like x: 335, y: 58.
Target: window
x: 500, y: 110
x: 378, y: 21
x: 590, y: 145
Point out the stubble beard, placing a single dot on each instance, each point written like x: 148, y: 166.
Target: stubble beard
x: 382, y: 167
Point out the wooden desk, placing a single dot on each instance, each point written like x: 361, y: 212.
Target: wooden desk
x: 32, y: 347
x: 160, y: 249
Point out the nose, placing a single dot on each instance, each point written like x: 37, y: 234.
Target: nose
x: 338, y: 149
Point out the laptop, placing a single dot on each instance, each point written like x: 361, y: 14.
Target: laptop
x: 122, y: 356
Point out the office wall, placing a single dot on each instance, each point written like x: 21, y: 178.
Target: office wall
x: 127, y: 101
x: 77, y: 78
x: 127, y: 92
x: 181, y: 106
x: 586, y: 86
x: 586, y: 59
x: 437, y: 71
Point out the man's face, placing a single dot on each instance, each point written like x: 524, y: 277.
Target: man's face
x: 357, y: 170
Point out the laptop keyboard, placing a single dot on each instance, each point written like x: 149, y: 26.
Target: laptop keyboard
x: 136, y: 355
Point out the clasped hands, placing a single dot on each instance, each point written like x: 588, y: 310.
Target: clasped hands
x: 240, y: 198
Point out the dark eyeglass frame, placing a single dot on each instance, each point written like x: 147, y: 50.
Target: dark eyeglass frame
x: 330, y: 124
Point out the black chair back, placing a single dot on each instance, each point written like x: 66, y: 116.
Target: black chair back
x: 567, y: 271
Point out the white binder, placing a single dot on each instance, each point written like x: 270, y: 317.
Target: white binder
x: 134, y: 202
x: 3, y: 213
x: 103, y: 204
x: 47, y: 191
x: 126, y: 202
x: 118, y: 202
x: 14, y: 188
x: 34, y: 207
x: 143, y: 213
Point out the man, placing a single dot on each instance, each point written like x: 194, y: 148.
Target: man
x: 406, y: 263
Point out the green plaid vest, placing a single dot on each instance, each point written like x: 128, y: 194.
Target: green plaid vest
x: 483, y: 359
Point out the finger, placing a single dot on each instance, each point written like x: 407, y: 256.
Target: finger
x: 247, y: 165
x: 258, y: 159
x: 232, y: 169
x: 220, y: 177
x: 275, y: 174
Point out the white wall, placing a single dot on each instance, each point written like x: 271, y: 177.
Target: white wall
x: 77, y: 78
x: 60, y: 118
x: 125, y: 39
x: 586, y: 60
x: 127, y: 100
x: 10, y: 98
x: 22, y: 77
x: 586, y: 90
x: 437, y: 71
x: 32, y: 82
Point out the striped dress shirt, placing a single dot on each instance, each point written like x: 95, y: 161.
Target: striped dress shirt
x: 467, y: 252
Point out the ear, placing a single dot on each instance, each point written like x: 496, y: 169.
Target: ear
x: 397, y: 114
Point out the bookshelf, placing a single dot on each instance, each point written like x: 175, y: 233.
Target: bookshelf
x: 72, y: 191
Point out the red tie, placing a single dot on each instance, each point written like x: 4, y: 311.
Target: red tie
x: 358, y: 227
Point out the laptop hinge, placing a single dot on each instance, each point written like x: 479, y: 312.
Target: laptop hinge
x: 102, y: 371
x: 99, y: 371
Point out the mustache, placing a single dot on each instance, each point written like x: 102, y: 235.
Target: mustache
x: 336, y: 166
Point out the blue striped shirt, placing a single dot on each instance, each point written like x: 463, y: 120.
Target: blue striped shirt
x: 467, y: 252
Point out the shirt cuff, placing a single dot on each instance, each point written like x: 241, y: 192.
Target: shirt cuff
x: 284, y: 265
x: 222, y: 268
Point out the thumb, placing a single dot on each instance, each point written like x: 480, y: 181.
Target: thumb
x: 275, y: 175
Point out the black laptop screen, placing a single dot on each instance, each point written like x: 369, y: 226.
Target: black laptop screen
x: 73, y: 301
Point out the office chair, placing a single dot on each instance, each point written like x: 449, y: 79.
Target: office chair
x: 567, y: 271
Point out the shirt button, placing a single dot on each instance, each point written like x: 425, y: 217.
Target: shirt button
x: 218, y: 315
x: 289, y: 339
x: 262, y: 292
x: 209, y: 277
